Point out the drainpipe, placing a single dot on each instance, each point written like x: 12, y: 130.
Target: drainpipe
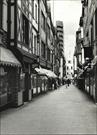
x: 39, y: 32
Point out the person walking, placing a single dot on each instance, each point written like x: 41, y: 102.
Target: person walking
x: 68, y: 82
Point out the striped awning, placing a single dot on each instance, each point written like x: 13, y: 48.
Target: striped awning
x: 8, y: 58
x: 46, y: 72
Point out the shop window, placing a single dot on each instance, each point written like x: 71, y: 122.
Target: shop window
x: 22, y: 81
x: 25, y: 29
x: 3, y: 81
x: 34, y: 82
x: 88, y: 52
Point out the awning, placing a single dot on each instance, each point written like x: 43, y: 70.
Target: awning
x: 46, y: 72
x: 8, y: 58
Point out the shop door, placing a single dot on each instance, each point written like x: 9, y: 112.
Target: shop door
x: 26, y: 92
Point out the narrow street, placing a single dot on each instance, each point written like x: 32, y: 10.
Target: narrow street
x: 62, y: 111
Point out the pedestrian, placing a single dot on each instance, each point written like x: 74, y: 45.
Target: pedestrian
x: 68, y: 82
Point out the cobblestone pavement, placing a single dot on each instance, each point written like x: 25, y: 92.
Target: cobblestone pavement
x: 62, y: 111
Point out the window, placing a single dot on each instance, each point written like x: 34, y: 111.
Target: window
x: 48, y: 54
x: 1, y: 6
x: 32, y: 42
x: 96, y: 22
x: 43, y: 49
x: 69, y: 61
x: 3, y: 14
x: 33, y: 8
x: 96, y: 26
x: 42, y: 21
x: 35, y: 45
x: 67, y: 67
x: 25, y: 29
x: 48, y: 31
x: 36, y: 13
x: 44, y: 2
x: 92, y: 32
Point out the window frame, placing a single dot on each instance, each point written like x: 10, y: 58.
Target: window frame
x: 25, y: 29
x: 42, y: 21
x: 43, y: 49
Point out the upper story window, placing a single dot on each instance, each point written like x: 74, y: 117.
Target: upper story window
x: 1, y: 5
x: 43, y: 49
x: 96, y: 23
x: 3, y: 14
x: 36, y: 13
x: 42, y: 21
x: 48, y: 31
x: 25, y: 7
x: 33, y: 8
x: 32, y: 42
x: 44, y: 1
x: 48, y: 54
x: 25, y: 29
x: 35, y: 45
x: 92, y: 32
x: 69, y: 61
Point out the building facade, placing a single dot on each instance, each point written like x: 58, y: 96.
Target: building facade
x: 88, y: 21
x: 9, y: 64
x: 27, y: 34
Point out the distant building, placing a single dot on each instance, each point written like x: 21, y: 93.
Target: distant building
x: 69, y: 69
x: 60, y: 33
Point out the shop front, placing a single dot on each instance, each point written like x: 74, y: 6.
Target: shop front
x: 91, y: 79
x: 27, y: 60
x: 9, y: 78
x: 48, y: 79
x: 94, y: 79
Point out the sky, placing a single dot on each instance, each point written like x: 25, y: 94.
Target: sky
x: 68, y: 11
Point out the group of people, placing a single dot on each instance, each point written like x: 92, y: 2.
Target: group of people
x: 57, y: 82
